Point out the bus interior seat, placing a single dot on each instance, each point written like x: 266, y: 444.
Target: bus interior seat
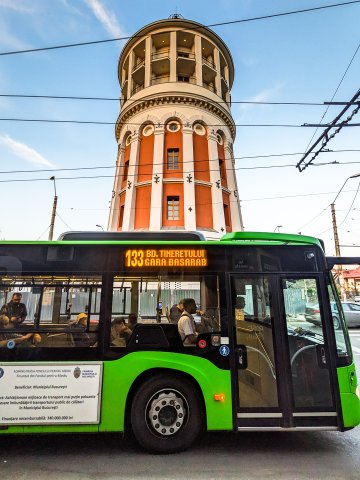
x: 154, y: 336
x: 58, y: 340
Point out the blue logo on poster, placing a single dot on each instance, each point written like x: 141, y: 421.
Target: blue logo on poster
x: 224, y: 350
x: 10, y: 344
x: 1, y: 372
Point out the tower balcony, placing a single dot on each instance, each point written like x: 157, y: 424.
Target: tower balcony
x: 185, y: 63
x: 138, y: 72
x: 160, y: 62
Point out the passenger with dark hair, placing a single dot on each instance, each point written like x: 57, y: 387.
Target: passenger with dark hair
x: 14, y: 310
x: 176, y: 311
x: 120, y: 333
x: 186, y: 324
x: 132, y: 321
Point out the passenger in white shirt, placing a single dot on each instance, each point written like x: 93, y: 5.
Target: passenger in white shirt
x: 186, y: 324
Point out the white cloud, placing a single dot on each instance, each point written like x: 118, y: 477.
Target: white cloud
x: 15, y: 5
x: 25, y: 152
x: 265, y: 95
x: 7, y: 39
x: 106, y: 17
x: 240, y: 112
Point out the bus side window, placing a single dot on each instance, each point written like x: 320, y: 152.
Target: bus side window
x: 45, y: 312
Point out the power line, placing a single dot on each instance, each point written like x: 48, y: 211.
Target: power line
x: 252, y: 157
x: 45, y: 170
x: 332, y: 98
x: 96, y: 122
x: 352, y: 203
x: 25, y: 180
x: 117, y: 99
x: 232, y: 22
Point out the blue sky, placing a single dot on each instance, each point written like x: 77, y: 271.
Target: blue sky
x: 298, y: 58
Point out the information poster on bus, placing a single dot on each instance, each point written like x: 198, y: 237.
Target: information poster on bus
x: 50, y: 394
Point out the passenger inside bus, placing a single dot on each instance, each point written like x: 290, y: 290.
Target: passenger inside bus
x: 176, y: 311
x: 14, y: 311
x: 79, y: 336
x: 186, y: 324
x: 132, y: 321
x: 120, y: 332
x: 11, y: 339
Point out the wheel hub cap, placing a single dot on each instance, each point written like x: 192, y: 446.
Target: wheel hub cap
x: 167, y: 413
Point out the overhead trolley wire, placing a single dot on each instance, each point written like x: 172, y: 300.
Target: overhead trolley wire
x: 219, y: 24
x: 98, y: 122
x: 332, y: 98
x: 246, y: 157
x: 261, y: 167
x: 117, y: 99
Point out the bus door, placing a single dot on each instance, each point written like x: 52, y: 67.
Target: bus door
x: 312, y: 375
x: 281, y: 373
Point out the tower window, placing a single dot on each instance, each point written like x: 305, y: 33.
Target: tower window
x: 183, y: 78
x: 126, y: 170
x: 173, y: 208
x: 173, y: 159
x: 173, y: 126
x: 222, y: 169
x: 227, y: 216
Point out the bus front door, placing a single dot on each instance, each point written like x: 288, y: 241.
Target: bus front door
x: 281, y: 372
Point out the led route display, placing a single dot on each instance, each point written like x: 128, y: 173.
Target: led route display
x: 140, y: 258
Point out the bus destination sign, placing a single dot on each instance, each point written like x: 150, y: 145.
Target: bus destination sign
x: 166, y: 257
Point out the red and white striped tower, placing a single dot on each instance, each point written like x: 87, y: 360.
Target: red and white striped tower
x: 175, y: 133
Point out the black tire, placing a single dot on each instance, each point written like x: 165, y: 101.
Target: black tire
x: 166, y: 414
x: 336, y: 323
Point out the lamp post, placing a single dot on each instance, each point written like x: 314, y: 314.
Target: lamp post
x: 53, y: 213
x: 333, y: 216
x: 277, y: 228
x: 100, y: 227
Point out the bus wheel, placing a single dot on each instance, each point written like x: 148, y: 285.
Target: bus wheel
x: 166, y: 414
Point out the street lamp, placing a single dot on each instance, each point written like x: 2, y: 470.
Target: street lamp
x: 277, y: 228
x: 100, y: 227
x: 333, y: 215
x: 53, y: 213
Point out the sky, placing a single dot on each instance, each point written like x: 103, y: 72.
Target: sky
x: 303, y: 58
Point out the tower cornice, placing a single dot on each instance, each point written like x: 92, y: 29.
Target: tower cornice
x: 155, y: 100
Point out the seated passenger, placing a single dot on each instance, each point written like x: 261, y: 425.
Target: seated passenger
x: 81, y: 337
x: 9, y: 340
x: 132, y: 321
x: 14, y: 311
x: 120, y: 333
x: 186, y: 324
x: 176, y: 311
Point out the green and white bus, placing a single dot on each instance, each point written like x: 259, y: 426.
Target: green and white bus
x: 258, y: 362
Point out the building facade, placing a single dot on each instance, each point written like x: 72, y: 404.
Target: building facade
x: 175, y: 133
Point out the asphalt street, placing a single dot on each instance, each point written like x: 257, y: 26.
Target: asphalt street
x: 265, y: 456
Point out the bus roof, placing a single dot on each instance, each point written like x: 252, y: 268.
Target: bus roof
x: 107, y: 238
x: 270, y: 237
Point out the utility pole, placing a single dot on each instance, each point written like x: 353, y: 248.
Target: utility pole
x: 336, y: 236
x: 53, y: 213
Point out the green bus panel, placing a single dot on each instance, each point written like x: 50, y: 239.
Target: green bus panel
x: 119, y: 375
x: 350, y: 402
